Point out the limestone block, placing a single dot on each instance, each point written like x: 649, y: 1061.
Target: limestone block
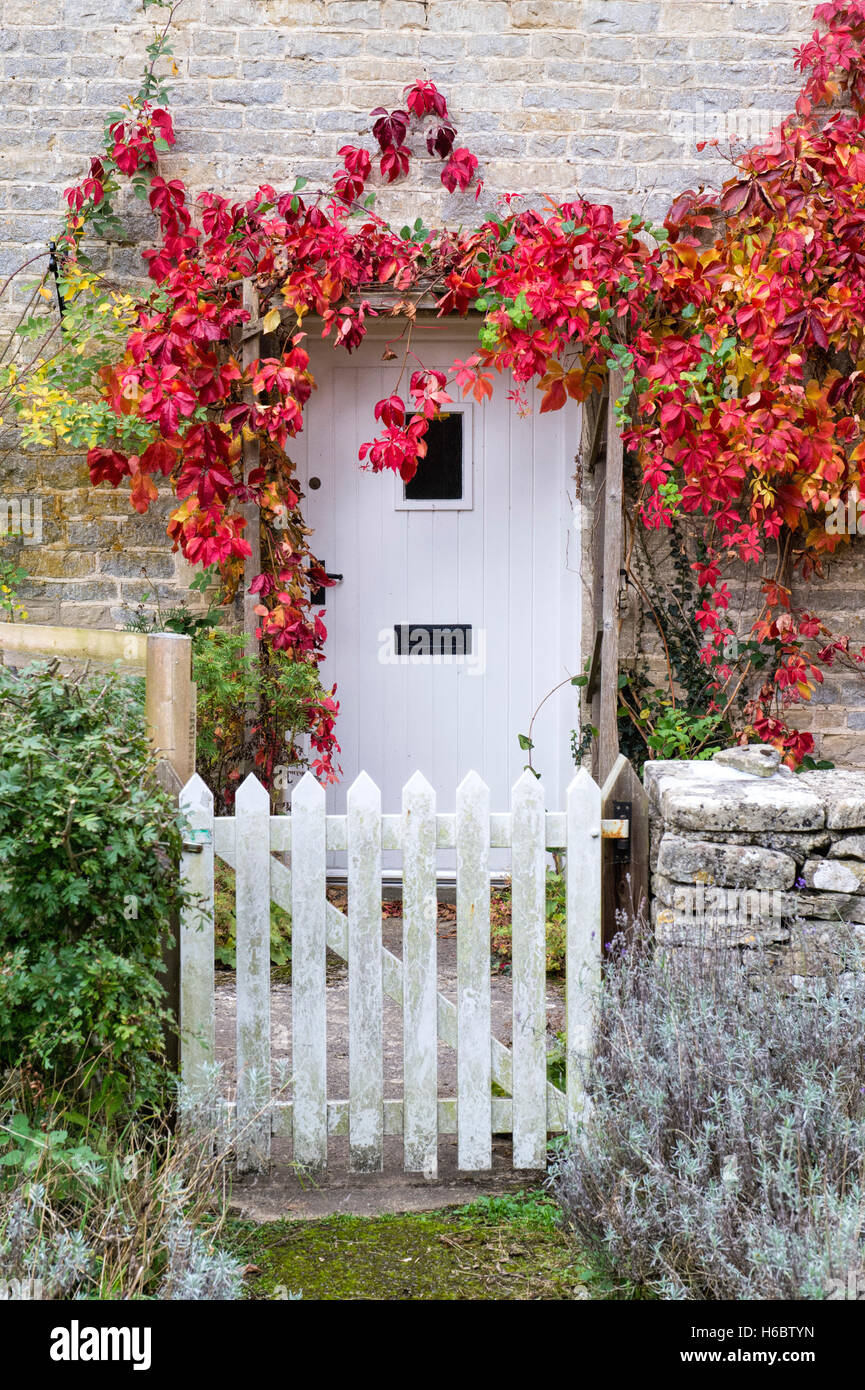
x: 835, y: 875
x: 688, y: 860
x: 701, y: 796
x: 843, y: 794
x: 761, y: 759
x: 848, y: 847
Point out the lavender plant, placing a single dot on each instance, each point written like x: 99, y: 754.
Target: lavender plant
x: 144, y: 1221
x: 724, y: 1153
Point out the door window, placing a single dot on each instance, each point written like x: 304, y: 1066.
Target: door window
x: 443, y: 481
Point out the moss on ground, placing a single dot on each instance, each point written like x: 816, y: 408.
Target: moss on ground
x: 496, y: 1248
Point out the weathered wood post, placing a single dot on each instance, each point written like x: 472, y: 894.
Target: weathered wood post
x: 169, y: 701
x: 608, y: 728
x: 251, y: 338
x: 169, y: 710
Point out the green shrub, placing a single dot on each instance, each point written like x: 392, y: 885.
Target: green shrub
x: 89, y: 855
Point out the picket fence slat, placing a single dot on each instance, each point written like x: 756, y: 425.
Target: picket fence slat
x: 474, y: 1078
x: 196, y: 937
x: 420, y: 1034
x: 583, y: 945
x: 365, y: 1068
x: 527, y: 1106
x: 528, y: 972
x: 308, y: 973
x: 252, y: 882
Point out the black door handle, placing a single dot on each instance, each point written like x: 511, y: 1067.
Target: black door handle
x: 317, y: 598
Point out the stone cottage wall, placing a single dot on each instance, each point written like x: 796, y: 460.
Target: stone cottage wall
x: 605, y: 97
x: 769, y: 864
x: 835, y: 714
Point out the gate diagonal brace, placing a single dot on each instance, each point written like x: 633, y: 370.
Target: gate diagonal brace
x: 392, y: 978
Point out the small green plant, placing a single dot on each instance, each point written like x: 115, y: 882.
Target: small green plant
x: 25, y: 1149
x: 676, y: 733
x: 225, y: 924
x: 12, y: 576
x: 536, y: 1210
x: 557, y: 927
x: 557, y: 1061
x: 556, y: 913
x: 179, y: 617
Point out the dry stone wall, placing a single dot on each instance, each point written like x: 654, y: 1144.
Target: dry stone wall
x: 747, y: 855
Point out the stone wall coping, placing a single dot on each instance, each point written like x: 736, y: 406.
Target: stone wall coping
x: 695, y: 796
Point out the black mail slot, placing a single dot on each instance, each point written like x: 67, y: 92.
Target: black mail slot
x: 433, y: 639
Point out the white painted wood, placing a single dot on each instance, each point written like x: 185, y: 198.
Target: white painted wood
x: 391, y: 831
x: 507, y: 565
x: 528, y: 973
x: 366, y: 1085
x: 196, y: 938
x: 252, y: 833
x: 308, y: 973
x: 392, y: 975
x: 420, y: 1034
x: 538, y: 1107
x: 583, y: 949
x: 474, y: 1077
x: 337, y: 1116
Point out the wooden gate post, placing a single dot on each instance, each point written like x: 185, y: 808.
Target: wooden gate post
x: 608, y: 728
x: 251, y: 338
x: 169, y: 700
x: 169, y: 709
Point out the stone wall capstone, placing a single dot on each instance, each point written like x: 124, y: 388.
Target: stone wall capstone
x: 747, y: 855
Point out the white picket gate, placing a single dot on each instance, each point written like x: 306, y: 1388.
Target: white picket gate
x: 533, y: 1107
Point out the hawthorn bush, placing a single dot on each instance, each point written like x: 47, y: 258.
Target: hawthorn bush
x: 89, y: 876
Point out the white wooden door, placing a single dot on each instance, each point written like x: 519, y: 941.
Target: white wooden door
x: 503, y: 560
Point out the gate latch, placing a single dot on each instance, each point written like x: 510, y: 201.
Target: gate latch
x: 622, y: 810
